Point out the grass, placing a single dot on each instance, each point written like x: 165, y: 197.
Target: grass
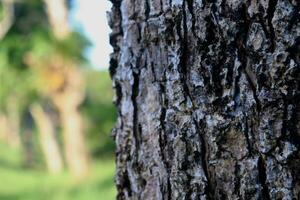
x: 17, y: 183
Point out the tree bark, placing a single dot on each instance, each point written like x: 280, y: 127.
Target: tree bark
x: 207, y: 95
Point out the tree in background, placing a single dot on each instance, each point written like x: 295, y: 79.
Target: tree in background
x: 208, y: 99
x: 10, y: 124
x: 47, y: 139
x: 70, y: 93
x: 9, y: 121
x: 47, y: 64
x: 17, y: 88
x: 6, y: 16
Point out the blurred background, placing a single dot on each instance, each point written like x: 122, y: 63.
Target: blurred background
x: 56, y: 110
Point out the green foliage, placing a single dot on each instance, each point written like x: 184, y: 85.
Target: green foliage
x: 44, y: 44
x: 31, y: 35
x: 1, y: 11
x: 13, y: 49
x: 99, y: 112
x: 16, y: 85
x: 30, y: 16
x: 72, y: 47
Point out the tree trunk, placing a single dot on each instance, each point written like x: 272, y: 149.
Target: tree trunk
x: 13, y: 114
x: 28, y: 148
x: 57, y: 12
x: 6, y: 131
x: 69, y: 95
x: 7, y: 17
x: 207, y: 95
x: 48, y: 139
x: 67, y: 102
x: 75, y: 147
x: 10, y: 124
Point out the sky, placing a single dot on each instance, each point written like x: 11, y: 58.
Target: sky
x: 90, y: 17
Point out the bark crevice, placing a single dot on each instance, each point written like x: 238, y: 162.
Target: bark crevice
x: 262, y: 177
x: 270, y: 15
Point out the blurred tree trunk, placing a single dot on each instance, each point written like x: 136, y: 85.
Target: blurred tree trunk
x: 208, y: 99
x: 3, y: 127
x: 7, y: 17
x: 58, y: 16
x: 10, y: 124
x: 7, y: 133
x: 68, y: 101
x: 47, y: 139
x: 69, y: 96
x: 14, y: 122
x: 28, y: 148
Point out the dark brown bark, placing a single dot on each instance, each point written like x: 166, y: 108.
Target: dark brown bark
x: 207, y: 95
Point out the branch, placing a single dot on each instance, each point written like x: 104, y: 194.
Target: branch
x: 57, y: 12
x: 7, y: 21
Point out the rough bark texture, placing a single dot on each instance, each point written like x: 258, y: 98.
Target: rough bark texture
x: 208, y: 98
